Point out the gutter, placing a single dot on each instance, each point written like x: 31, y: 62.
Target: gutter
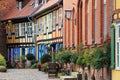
x: 48, y: 8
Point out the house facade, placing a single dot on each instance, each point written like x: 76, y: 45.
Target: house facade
x: 50, y: 27
x: 93, y: 23
x: 20, y: 29
x: 115, y: 29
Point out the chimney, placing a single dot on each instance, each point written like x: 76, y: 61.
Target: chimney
x: 36, y: 3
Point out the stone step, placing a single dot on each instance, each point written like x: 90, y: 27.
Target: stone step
x: 68, y: 78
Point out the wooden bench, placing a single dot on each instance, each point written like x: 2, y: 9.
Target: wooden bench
x: 53, y: 69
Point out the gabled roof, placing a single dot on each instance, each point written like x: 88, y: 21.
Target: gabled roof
x: 26, y: 11
x: 49, y: 5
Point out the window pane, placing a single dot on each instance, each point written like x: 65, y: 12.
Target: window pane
x: 16, y: 30
x: 23, y: 29
x: 117, y: 54
x: 105, y: 25
x: 9, y: 32
x: 45, y: 23
x: 29, y: 29
x: 119, y: 31
x: 60, y: 18
x: 54, y: 20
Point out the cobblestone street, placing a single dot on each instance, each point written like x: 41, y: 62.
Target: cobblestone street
x: 24, y: 74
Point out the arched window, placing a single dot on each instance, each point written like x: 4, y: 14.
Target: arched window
x: 88, y: 20
x: 105, y: 21
x: 95, y: 15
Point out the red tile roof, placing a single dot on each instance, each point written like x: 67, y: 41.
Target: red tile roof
x: 48, y: 4
x: 27, y: 10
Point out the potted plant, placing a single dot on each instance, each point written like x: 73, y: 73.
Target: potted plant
x: 2, y: 64
x: 29, y: 57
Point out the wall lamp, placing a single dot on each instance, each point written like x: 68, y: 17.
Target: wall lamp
x: 68, y: 13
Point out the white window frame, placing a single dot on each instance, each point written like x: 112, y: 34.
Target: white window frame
x: 54, y: 20
x: 118, y: 47
x: 9, y: 32
x: 60, y: 18
x: 29, y: 25
x: 16, y: 30
x: 22, y: 29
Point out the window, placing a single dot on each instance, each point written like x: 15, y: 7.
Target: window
x: 60, y: 18
x: 88, y: 21
x: 29, y: 25
x: 40, y: 31
x: 22, y: 29
x: 45, y: 23
x: 95, y: 26
x: 36, y: 28
x: 118, y: 47
x: 9, y: 32
x: 20, y: 5
x: 16, y: 30
x: 105, y: 17
x: 44, y: 2
x: 54, y: 20
x: 50, y: 22
x: 36, y: 2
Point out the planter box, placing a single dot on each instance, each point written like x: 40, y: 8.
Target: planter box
x: 3, y: 69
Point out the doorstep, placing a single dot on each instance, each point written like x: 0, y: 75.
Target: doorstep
x: 68, y: 78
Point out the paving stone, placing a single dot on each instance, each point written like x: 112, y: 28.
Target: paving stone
x: 24, y: 74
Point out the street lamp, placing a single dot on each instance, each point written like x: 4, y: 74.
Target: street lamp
x: 68, y: 13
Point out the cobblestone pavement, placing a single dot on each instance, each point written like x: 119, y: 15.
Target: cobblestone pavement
x: 24, y: 74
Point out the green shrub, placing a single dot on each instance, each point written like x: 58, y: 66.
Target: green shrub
x: 73, y: 58
x: 81, y: 61
x: 33, y: 62
x: 30, y: 56
x: 45, y: 67
x: 57, y: 56
x: 65, y: 57
x: 88, y: 57
x: 99, y: 60
x: 33, y: 66
x: 2, y: 61
x: 45, y: 58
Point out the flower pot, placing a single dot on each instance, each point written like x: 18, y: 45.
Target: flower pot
x: 79, y: 76
x: 28, y: 64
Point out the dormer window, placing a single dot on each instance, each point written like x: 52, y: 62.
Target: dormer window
x: 36, y: 2
x: 44, y: 2
x: 20, y: 5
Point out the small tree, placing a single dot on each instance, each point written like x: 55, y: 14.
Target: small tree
x: 30, y: 56
x: 45, y: 58
x: 2, y: 61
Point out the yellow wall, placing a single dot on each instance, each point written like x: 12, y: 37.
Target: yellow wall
x: 115, y: 75
x: 117, y: 4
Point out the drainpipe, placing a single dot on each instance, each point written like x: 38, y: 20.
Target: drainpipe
x: 34, y: 41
